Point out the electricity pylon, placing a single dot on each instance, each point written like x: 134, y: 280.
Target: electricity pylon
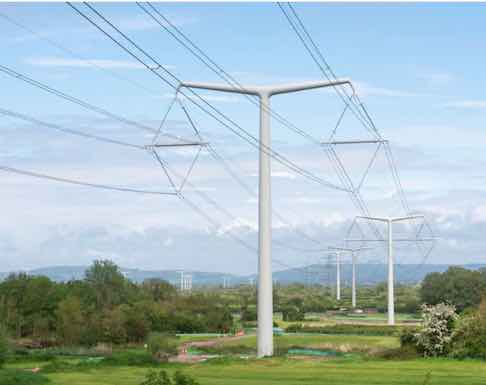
x: 391, y: 295
x: 353, y: 261
x: 265, y: 305
x: 338, y: 273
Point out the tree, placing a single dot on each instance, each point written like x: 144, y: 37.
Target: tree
x: 70, y: 321
x: 108, y: 283
x: 457, y: 286
x: 158, y: 289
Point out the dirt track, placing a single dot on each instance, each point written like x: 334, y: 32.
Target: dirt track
x: 184, y: 356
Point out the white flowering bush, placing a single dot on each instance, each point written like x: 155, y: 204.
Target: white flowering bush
x: 435, y: 337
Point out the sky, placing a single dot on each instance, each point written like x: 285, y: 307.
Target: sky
x: 417, y: 67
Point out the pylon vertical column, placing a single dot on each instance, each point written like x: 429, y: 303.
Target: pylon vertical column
x: 265, y: 297
x: 391, y: 301
x: 338, y: 277
x: 353, y: 283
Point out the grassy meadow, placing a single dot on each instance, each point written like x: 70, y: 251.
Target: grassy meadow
x: 359, y: 366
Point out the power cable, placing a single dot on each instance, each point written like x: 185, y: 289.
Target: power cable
x: 81, y: 183
x: 212, y: 111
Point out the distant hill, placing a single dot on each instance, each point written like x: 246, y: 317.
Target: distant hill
x: 368, y: 274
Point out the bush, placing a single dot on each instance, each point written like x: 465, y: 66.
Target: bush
x: 162, y: 345
x: 435, y: 337
x: 130, y: 358
x: 162, y: 378
x: 408, y: 337
x: 407, y: 352
x: 469, y: 339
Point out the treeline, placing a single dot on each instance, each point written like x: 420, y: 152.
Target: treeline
x: 104, y: 307
x: 457, y: 286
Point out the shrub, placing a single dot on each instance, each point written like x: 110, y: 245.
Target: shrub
x: 407, y: 352
x: 3, y: 348
x: 469, y: 339
x: 162, y: 345
x: 435, y: 337
x: 130, y: 358
x: 162, y: 378
x: 408, y: 338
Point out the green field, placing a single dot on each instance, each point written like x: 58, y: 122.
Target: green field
x: 283, y: 371
x: 357, y: 368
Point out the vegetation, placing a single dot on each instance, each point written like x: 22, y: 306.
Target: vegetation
x: 162, y: 378
x: 104, y: 308
x: 350, y: 329
x: 469, y: 339
x: 162, y: 345
x: 435, y: 337
x: 457, y: 286
x: 3, y: 348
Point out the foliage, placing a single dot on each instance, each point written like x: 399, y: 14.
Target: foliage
x: 130, y: 358
x: 162, y: 345
x: 69, y: 321
x: 435, y: 337
x: 105, y: 308
x: 469, y: 339
x: 371, y: 330
x: 162, y: 378
x: 3, y: 347
x: 457, y: 286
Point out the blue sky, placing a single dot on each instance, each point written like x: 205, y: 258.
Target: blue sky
x: 418, y: 68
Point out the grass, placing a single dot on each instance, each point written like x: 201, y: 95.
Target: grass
x: 316, y: 341
x: 355, y: 369
x: 281, y: 371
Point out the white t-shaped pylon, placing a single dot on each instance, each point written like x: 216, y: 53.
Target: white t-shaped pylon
x: 265, y: 301
x: 391, y: 295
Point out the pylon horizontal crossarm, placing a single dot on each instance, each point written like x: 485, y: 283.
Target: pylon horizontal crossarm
x: 166, y: 145
x: 370, y: 141
x: 394, y: 240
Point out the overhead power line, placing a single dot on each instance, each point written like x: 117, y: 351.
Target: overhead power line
x: 204, y: 105
x: 72, y: 53
x: 199, y: 53
x: 81, y: 183
x: 57, y: 127
x: 314, y: 52
x: 17, y: 75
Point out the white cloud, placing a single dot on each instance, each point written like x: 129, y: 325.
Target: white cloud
x: 365, y: 90
x: 469, y: 104
x: 208, y: 97
x: 102, y: 63
x: 438, y: 78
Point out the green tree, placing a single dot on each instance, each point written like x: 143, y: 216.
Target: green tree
x: 70, y: 321
x: 158, y: 289
x: 108, y: 284
x: 457, y: 286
